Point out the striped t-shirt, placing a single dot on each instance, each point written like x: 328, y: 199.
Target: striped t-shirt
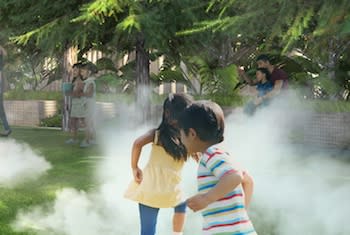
x: 227, y: 216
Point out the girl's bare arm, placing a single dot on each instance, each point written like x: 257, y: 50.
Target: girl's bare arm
x: 136, y: 152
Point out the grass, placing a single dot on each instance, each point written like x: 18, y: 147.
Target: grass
x: 322, y: 106
x: 328, y: 106
x: 71, y: 167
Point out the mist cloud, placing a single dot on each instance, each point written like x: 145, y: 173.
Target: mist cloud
x: 298, y: 190
x: 19, y: 163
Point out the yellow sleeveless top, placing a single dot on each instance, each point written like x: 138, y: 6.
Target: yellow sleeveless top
x: 160, y: 186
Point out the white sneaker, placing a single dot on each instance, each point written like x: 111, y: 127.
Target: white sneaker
x: 6, y: 133
x: 93, y: 142
x: 71, y: 141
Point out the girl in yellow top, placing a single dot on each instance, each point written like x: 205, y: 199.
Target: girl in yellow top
x: 158, y: 185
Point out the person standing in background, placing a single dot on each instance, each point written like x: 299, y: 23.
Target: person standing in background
x: 87, y: 72
x: 76, y: 111
x: 7, y: 130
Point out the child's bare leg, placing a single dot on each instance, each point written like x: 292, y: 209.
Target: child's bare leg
x: 74, y: 128
x: 178, y: 222
x: 179, y: 218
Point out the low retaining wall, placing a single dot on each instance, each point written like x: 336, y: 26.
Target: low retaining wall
x: 29, y: 112
x: 328, y: 129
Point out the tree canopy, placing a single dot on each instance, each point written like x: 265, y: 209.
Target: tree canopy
x: 220, y: 32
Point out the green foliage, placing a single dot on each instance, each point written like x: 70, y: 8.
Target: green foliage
x: 54, y: 121
x: 330, y: 87
x: 318, y: 29
x: 105, y: 64
x: 211, y: 33
x: 129, y: 24
x: 346, y: 26
x: 99, y: 10
x: 324, y: 106
x: 39, y: 33
x: 109, y: 83
x: 229, y: 100
x: 222, y: 87
x: 168, y: 75
x: 217, y: 84
x: 301, y: 23
x: 24, y: 70
x: 302, y: 65
x: 116, y: 97
x: 320, y: 105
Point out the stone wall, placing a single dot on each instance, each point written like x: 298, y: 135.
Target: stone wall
x: 328, y: 129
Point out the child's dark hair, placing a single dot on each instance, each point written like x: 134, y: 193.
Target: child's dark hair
x: 206, y: 118
x: 89, y: 66
x: 266, y: 72
x: 77, y: 65
x: 169, y: 136
x: 263, y: 57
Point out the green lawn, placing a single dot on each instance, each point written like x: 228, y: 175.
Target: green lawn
x: 71, y: 167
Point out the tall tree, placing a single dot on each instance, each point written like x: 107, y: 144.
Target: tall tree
x: 147, y: 27
x: 49, y: 32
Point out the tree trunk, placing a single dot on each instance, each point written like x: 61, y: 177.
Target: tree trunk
x: 142, y: 79
x: 69, y: 58
x: 226, y: 54
x: 332, y: 57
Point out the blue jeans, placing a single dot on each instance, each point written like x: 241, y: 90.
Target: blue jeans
x: 250, y: 108
x: 149, y: 215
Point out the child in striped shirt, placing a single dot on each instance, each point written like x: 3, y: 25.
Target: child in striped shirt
x: 221, y: 183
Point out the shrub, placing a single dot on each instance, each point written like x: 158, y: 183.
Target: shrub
x: 53, y: 121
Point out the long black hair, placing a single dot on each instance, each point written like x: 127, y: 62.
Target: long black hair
x: 169, y: 134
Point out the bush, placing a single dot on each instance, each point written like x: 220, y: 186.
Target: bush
x: 222, y: 90
x: 227, y: 100
x: 53, y: 121
x: 329, y: 106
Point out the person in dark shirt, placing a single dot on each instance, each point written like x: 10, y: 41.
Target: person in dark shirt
x: 278, y: 77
